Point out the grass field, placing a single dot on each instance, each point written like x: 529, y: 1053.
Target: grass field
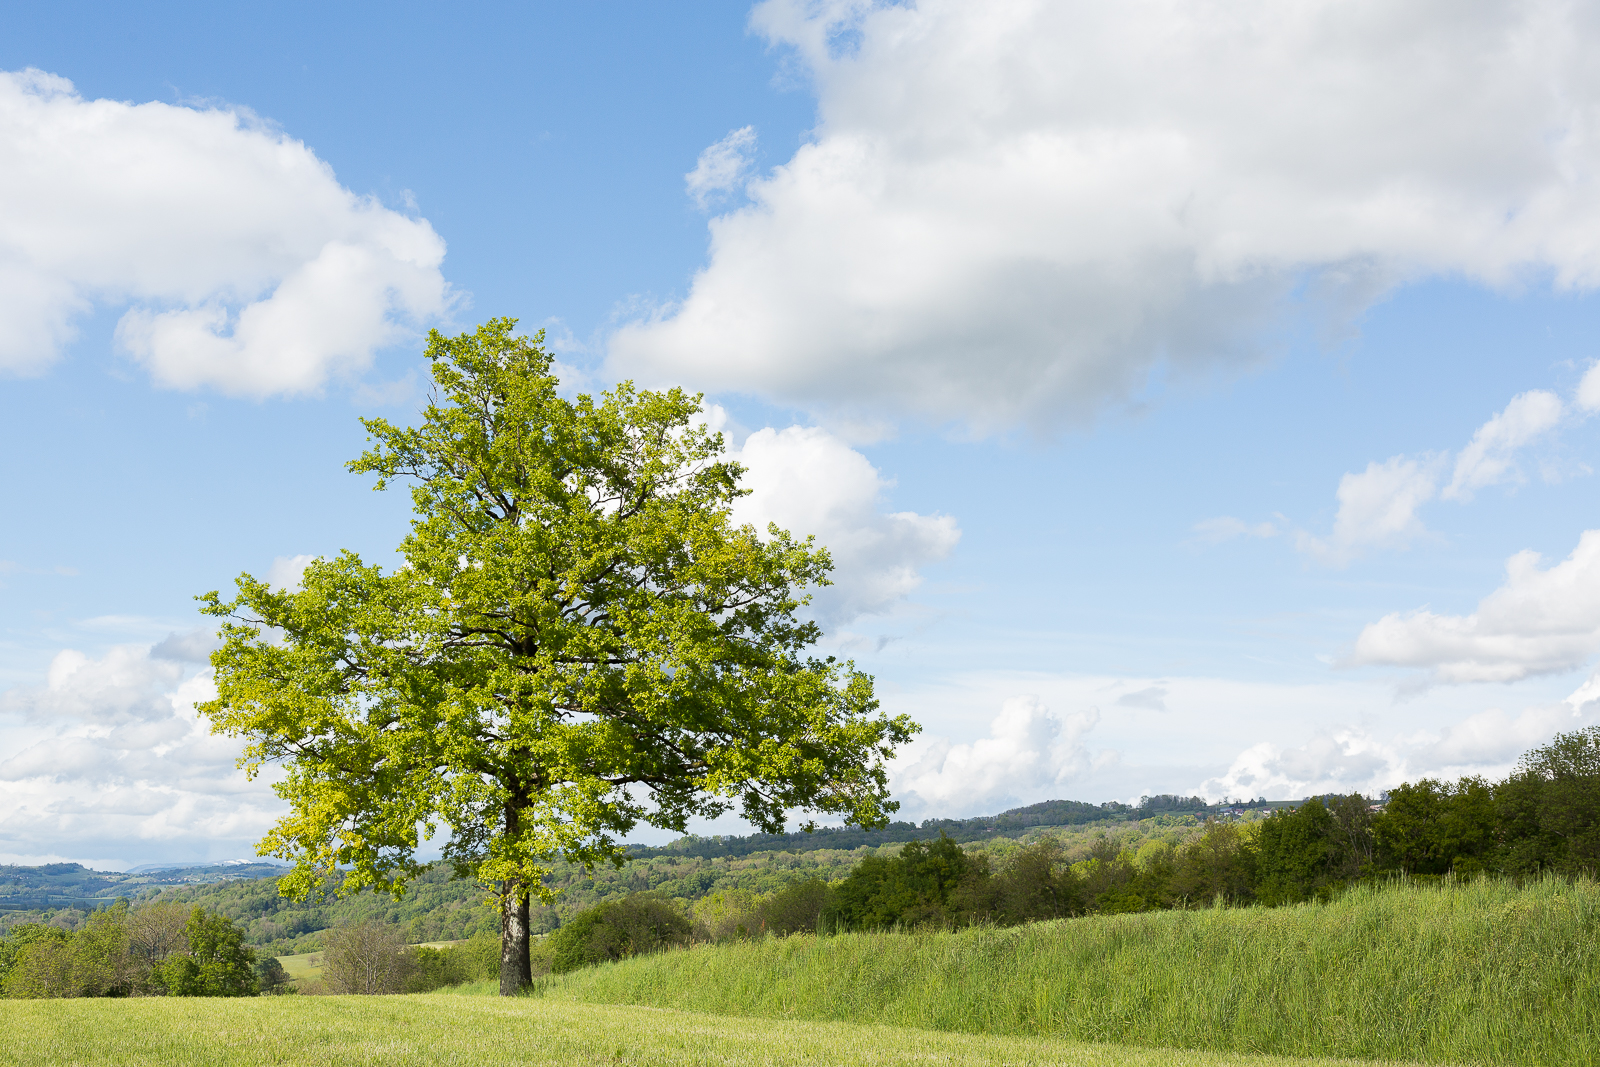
x: 434, y: 1029
x: 306, y: 967
x: 1485, y: 973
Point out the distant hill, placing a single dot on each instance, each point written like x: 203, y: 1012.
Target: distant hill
x: 72, y: 885
x: 1044, y: 813
x: 151, y: 868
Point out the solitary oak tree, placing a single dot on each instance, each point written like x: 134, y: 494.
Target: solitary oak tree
x: 579, y: 639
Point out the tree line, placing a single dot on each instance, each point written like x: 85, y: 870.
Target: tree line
x: 1044, y: 813
x: 160, y: 950
x: 1544, y: 818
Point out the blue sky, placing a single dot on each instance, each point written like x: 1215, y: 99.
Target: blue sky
x: 1181, y: 392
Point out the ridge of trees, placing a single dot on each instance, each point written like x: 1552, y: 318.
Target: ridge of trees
x: 1044, y: 813
x: 65, y: 885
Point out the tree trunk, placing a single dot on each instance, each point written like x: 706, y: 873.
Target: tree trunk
x: 516, y: 970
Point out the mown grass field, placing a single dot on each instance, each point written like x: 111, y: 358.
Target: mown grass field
x: 434, y: 1029
x: 1483, y: 973
x: 305, y: 967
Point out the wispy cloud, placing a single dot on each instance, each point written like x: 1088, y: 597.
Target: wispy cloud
x: 722, y: 167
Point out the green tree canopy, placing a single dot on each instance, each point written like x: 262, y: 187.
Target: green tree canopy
x: 912, y: 887
x: 218, y: 963
x: 579, y: 639
x: 1433, y: 828
x: 1550, y: 809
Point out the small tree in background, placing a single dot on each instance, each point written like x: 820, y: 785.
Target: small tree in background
x: 579, y: 639
x: 1218, y: 867
x: 1294, y: 854
x: 43, y: 966
x: 156, y: 933
x: 102, y: 964
x: 1352, y: 848
x: 1108, y: 875
x: 1037, y: 883
x: 366, y: 957
x: 729, y: 913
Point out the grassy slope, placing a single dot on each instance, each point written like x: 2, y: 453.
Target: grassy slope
x: 303, y: 967
x: 1486, y: 973
x: 429, y: 1030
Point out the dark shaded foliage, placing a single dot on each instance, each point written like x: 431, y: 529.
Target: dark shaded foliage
x: 911, y: 888
x: 633, y: 926
x: 271, y: 978
x: 1036, y: 883
x: 794, y: 909
x: 1549, y: 810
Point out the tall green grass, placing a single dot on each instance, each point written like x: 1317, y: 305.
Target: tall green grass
x: 1486, y: 972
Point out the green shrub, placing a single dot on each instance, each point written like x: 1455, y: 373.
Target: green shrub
x: 795, y: 909
x: 912, y: 888
x: 633, y: 926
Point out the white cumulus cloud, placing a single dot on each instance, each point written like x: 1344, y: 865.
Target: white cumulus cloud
x: 810, y: 482
x: 108, y: 758
x: 1588, y: 397
x: 1013, y: 211
x: 1378, y: 507
x: 1541, y: 620
x: 124, y: 685
x: 248, y: 267
x: 1029, y: 749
